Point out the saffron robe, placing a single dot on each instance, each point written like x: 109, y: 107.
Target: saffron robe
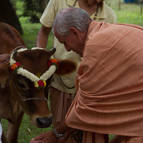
x: 109, y: 99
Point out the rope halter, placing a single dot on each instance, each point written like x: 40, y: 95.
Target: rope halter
x: 38, y: 81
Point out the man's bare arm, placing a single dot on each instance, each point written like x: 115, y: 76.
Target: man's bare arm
x: 42, y: 37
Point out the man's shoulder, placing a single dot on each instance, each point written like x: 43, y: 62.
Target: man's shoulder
x: 101, y: 30
x: 105, y: 34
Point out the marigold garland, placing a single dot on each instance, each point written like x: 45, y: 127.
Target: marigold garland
x: 53, y: 62
x: 38, y: 80
x: 40, y: 83
x: 15, y: 65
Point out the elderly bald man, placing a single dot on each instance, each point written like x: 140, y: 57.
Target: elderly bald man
x: 110, y: 78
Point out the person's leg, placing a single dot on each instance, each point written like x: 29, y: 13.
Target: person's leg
x: 60, y: 103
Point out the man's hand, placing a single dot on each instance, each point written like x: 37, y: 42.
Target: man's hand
x: 54, y: 136
x: 48, y: 137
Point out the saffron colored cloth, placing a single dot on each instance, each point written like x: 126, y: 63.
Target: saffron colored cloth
x: 89, y: 137
x: 109, y: 99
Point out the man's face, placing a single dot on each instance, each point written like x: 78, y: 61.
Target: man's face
x: 71, y: 42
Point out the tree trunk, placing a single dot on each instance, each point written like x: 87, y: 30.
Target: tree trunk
x: 8, y: 15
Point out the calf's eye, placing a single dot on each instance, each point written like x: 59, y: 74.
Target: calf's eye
x: 22, y: 84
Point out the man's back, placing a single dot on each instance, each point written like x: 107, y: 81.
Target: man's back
x: 108, y: 35
x: 111, y: 82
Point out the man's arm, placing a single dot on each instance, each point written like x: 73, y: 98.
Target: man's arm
x: 42, y: 37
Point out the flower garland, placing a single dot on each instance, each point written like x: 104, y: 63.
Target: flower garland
x: 15, y: 65
x: 53, y: 62
x: 38, y: 81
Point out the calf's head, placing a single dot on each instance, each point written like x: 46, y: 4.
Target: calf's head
x: 28, y: 80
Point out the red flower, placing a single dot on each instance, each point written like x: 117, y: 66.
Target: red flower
x: 49, y: 63
x: 53, y: 62
x: 15, y: 65
x: 41, y: 83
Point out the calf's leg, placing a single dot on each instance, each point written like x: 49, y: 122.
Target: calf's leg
x: 4, y: 139
x: 12, y: 132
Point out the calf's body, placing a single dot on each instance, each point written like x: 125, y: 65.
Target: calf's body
x: 15, y: 89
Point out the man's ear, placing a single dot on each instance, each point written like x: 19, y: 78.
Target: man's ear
x: 66, y: 67
x: 75, y: 32
x: 4, y: 69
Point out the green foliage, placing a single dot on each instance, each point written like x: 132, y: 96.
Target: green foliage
x: 130, y: 13
x: 19, y: 8
x: 34, y: 9
x: 127, y: 13
x: 133, y: 18
x: 31, y: 8
x: 31, y: 31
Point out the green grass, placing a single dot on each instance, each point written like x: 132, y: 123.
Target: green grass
x: 130, y: 17
x: 27, y: 131
x: 129, y: 13
x: 30, y: 33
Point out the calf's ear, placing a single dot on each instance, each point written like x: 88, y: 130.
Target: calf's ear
x: 66, y: 67
x: 4, y: 69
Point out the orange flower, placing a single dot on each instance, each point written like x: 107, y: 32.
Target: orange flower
x: 54, y: 61
x: 15, y: 65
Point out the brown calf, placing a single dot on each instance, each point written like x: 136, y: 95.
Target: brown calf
x: 24, y: 81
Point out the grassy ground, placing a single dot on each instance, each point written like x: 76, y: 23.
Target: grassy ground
x: 129, y: 13
x: 30, y: 33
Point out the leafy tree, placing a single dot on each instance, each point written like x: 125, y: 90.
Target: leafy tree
x: 8, y: 14
x: 34, y: 9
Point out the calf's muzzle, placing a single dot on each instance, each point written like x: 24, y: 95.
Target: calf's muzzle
x: 44, y: 122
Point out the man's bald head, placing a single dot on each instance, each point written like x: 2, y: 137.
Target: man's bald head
x: 71, y: 17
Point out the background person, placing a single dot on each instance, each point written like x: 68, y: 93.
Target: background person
x: 63, y: 90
